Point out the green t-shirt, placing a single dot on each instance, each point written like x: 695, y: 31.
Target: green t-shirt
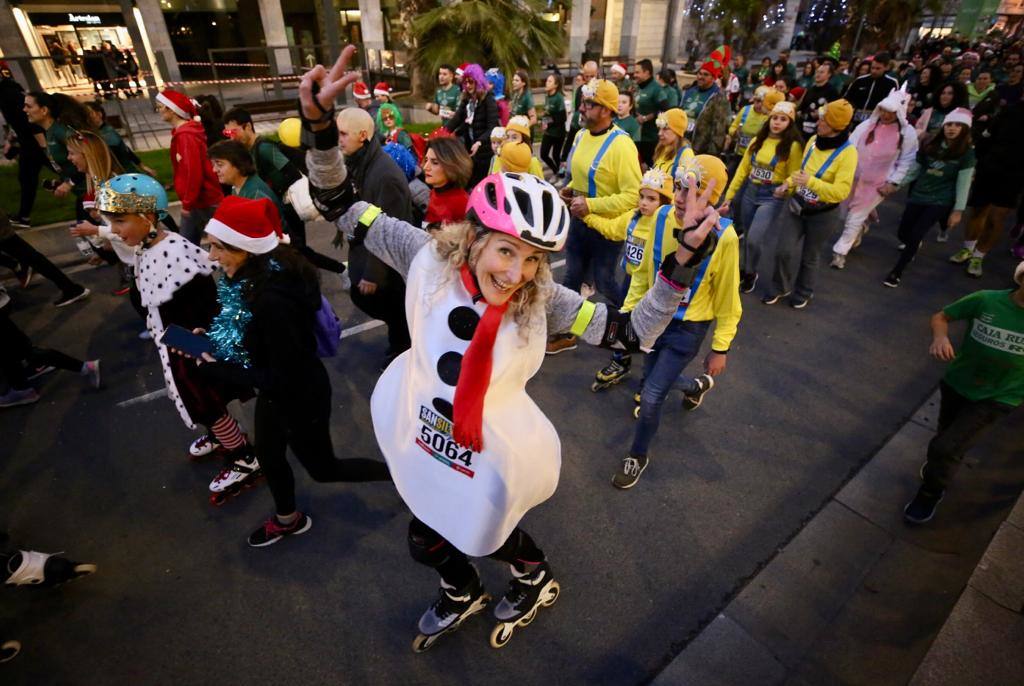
x: 447, y: 101
x: 990, y: 364
x: 255, y: 188
x: 554, y: 115
x: 521, y: 103
x: 650, y: 99
x: 272, y: 165
x: 671, y: 94
x: 630, y: 125
x: 57, y: 148
x: 125, y: 157
x: 936, y: 182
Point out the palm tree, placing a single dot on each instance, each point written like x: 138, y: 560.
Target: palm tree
x: 508, y: 34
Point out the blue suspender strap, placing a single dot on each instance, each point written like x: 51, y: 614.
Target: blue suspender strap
x: 591, y: 180
x: 831, y: 158
x: 743, y: 117
x: 723, y: 224
x: 828, y: 162
x: 675, y: 162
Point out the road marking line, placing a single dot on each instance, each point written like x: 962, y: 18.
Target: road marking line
x: 144, y: 398
x: 351, y: 331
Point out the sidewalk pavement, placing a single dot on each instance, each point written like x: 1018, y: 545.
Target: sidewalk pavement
x: 858, y: 596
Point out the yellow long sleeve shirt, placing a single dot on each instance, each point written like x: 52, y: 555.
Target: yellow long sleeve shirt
x: 632, y: 227
x: 763, y: 161
x: 715, y: 293
x: 837, y: 180
x: 668, y: 164
x: 612, y: 186
x: 747, y: 128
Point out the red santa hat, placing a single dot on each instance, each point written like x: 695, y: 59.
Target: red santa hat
x: 361, y: 91
x: 382, y: 88
x: 179, y: 103
x: 461, y: 69
x: 619, y: 68
x: 250, y: 225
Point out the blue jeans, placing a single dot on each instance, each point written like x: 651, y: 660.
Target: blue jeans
x: 758, y: 210
x: 586, y: 248
x: 673, y: 350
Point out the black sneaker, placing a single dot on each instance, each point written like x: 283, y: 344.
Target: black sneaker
x: 273, y: 530
x: 35, y: 372
x: 921, y: 509
x: 771, y: 299
x: 748, y: 282
x: 691, y: 401
x: 71, y: 297
x: 892, y: 281
x: 799, y: 302
x: 20, y: 222
x: 632, y: 468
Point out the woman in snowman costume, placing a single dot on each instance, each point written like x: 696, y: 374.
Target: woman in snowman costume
x: 469, y: 451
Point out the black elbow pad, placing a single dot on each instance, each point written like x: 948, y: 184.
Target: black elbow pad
x: 331, y: 203
x: 619, y: 333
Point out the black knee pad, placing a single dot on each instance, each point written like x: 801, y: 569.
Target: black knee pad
x: 426, y: 546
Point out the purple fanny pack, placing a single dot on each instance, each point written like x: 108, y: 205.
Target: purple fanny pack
x: 327, y: 330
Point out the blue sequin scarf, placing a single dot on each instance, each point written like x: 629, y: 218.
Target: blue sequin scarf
x: 228, y: 328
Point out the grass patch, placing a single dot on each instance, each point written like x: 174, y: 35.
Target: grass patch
x: 50, y: 209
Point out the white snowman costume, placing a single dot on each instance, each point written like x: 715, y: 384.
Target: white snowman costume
x: 472, y: 499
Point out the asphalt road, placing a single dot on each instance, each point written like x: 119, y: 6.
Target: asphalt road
x: 180, y: 598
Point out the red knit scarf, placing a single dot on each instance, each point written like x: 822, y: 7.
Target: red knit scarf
x: 475, y: 374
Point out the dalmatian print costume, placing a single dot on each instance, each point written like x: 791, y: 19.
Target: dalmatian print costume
x: 160, y: 271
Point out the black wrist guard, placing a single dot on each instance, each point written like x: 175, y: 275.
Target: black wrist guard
x: 682, y: 275
x: 699, y: 252
x: 331, y: 203
x: 318, y: 140
x: 619, y: 333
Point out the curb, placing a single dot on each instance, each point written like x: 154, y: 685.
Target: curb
x: 856, y: 595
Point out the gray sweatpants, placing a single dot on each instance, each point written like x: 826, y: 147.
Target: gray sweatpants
x: 814, y: 231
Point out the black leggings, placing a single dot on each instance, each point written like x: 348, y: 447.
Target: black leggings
x: 551, y: 152
x: 961, y: 423
x: 277, y: 428
x: 430, y: 548
x: 567, y: 144
x: 30, y: 163
x: 18, y: 356
x: 16, y: 247
x: 917, y: 220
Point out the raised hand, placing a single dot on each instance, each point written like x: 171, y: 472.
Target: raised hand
x: 328, y: 85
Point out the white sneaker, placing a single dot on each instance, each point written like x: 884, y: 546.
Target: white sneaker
x: 943, y: 236
x: 838, y: 261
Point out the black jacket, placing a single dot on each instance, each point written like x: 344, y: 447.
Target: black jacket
x: 867, y: 91
x: 378, y: 180
x: 281, y: 343
x: 485, y: 118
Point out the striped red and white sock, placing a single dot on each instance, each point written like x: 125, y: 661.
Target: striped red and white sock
x: 228, y: 433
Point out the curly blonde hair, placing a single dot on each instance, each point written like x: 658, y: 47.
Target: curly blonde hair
x: 462, y: 242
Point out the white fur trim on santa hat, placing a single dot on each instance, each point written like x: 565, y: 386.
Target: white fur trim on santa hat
x: 619, y: 68
x: 1018, y: 274
x: 381, y: 91
x: 172, y: 106
x: 255, y: 246
x: 961, y: 115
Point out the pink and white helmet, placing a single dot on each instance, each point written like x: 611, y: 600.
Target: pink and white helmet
x: 523, y: 206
